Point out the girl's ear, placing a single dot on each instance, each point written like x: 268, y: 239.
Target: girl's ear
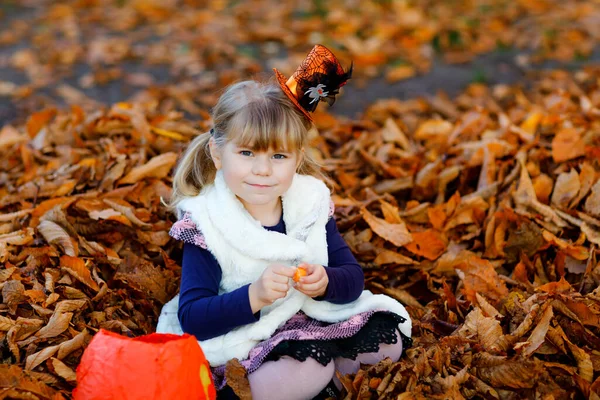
x: 215, y: 153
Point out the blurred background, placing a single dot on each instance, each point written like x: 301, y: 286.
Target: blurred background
x: 178, y: 54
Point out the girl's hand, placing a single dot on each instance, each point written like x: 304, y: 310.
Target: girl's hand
x: 273, y: 284
x: 314, y: 284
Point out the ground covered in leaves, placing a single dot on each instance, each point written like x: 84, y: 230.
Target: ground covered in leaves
x: 182, y: 51
x: 481, y: 214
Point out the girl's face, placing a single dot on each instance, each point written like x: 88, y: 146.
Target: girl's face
x: 257, y: 178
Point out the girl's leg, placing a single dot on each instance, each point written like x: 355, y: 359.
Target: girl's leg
x: 290, y: 379
x: 348, y: 366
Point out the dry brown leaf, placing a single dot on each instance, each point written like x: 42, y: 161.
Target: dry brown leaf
x: 592, y: 204
x: 567, y: 144
x: 69, y: 306
x: 55, y: 234
x: 237, y: 379
x: 6, y: 323
x: 18, y: 238
x: 401, y: 295
x: 127, y: 210
x: 73, y: 344
x: 593, y: 235
x: 157, y: 167
x: 517, y: 374
x: 57, y: 324
x: 555, y: 287
x: 478, y: 275
x: 37, y: 358
x: 10, y: 136
x: 385, y: 257
x: 395, y: 233
x: 538, y: 334
x: 77, y: 268
x: 584, y: 362
x: 14, y: 378
x: 142, y: 275
x: 542, y: 185
x: 13, y: 293
x: 392, y: 133
x: 390, y: 212
x: 566, y: 189
x: 429, y: 244
x: 62, y: 370
x: 482, y: 329
x: 577, y: 252
x: 586, y: 179
x: 487, y: 308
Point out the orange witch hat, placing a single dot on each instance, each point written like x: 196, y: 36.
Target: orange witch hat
x: 319, y: 77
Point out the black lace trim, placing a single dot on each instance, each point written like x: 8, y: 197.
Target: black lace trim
x: 382, y: 327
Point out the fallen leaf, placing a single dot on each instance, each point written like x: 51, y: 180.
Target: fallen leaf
x: 538, y: 334
x: 157, y: 167
x: 395, y: 233
x: 77, y: 268
x: 567, y: 144
x: 237, y: 379
x: 592, y: 204
x: 478, y: 275
x: 482, y: 329
x: 566, y: 188
x: 429, y: 244
x: 62, y: 370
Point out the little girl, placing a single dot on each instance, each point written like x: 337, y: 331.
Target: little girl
x: 253, y: 209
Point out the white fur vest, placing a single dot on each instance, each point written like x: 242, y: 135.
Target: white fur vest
x: 243, y: 249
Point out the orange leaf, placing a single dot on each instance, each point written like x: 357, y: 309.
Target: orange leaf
x: 395, y: 233
x: 437, y: 216
x: 37, y: 120
x: 555, y: 287
x: 479, y: 275
x: 567, y: 144
x: 520, y: 272
x: 429, y: 244
x: 392, y: 257
x: 76, y: 267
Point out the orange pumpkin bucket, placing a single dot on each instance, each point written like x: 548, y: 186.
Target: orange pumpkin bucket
x: 156, y: 366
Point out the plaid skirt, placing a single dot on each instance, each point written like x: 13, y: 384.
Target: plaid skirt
x: 302, y: 337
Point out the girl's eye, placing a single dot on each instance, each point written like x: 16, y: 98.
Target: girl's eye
x: 247, y: 153
x: 280, y: 156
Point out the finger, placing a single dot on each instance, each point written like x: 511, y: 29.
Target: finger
x: 280, y: 287
x: 310, y: 268
x: 284, y: 271
x: 311, y: 287
x: 279, y: 278
x: 308, y: 279
x: 316, y: 276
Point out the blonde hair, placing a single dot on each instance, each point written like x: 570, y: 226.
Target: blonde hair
x: 254, y: 114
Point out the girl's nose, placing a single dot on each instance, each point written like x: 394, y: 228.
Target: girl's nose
x: 261, y: 166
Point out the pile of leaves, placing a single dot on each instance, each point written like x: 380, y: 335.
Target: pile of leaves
x: 202, y: 45
x: 480, y: 214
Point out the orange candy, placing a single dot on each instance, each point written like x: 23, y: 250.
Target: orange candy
x: 300, y: 272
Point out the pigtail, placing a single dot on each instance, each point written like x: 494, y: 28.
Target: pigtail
x: 195, y: 170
